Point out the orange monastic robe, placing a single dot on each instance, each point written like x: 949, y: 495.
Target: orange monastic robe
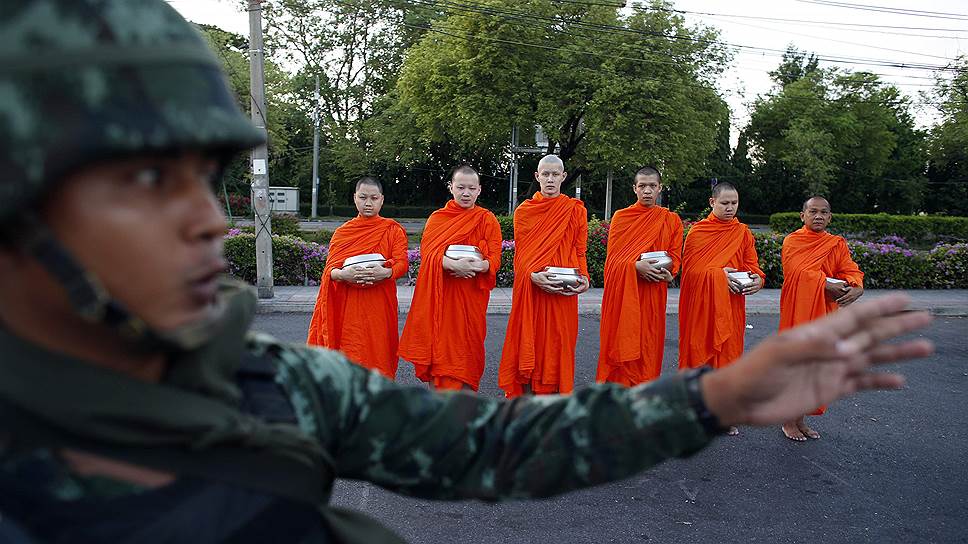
x: 361, y: 321
x: 634, y: 310
x: 447, y: 323
x: 712, y: 320
x: 539, y: 347
x: 808, y: 259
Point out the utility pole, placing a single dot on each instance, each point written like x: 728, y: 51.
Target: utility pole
x: 260, y: 155
x: 608, y: 195
x: 315, y: 148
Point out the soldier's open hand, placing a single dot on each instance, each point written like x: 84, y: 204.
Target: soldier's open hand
x: 800, y: 369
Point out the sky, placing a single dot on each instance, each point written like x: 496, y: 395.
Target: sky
x: 863, y: 34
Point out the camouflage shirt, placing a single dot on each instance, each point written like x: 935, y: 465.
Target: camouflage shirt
x: 408, y: 439
x: 459, y: 445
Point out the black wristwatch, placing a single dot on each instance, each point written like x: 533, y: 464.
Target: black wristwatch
x: 710, y: 423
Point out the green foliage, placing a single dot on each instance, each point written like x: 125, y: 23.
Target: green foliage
x: 949, y: 266
x: 921, y: 228
x: 948, y: 145
x: 768, y: 248
x: 507, y: 226
x: 321, y: 236
x: 284, y: 224
x: 887, y: 266
x: 846, y: 135
x: 294, y: 262
x: 640, y: 95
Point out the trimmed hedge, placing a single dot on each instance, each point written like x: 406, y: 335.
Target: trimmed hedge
x: 294, y: 261
x: 921, y: 228
x: 887, y: 263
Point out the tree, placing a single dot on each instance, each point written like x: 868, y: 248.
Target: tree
x: 846, y: 135
x: 612, y: 90
x: 289, y: 130
x: 948, y: 145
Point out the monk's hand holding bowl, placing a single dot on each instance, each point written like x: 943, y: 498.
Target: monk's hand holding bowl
x: 351, y: 274
x: 547, y: 284
x: 464, y: 268
x: 648, y: 272
x: 849, y: 295
x: 755, y: 286
x: 735, y: 286
x: 583, y: 285
x: 835, y: 291
x: 378, y: 273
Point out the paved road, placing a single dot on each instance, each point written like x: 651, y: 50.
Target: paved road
x: 890, y: 468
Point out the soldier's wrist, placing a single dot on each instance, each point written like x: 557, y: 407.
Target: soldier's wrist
x: 710, y: 398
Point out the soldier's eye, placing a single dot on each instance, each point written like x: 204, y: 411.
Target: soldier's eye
x: 149, y: 176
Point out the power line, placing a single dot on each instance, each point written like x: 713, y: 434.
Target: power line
x: 484, y: 9
x: 803, y: 21
x: 891, y: 10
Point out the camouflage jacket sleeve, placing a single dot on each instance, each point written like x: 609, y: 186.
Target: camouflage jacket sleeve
x: 461, y: 445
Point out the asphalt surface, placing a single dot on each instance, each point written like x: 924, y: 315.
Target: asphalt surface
x: 889, y: 468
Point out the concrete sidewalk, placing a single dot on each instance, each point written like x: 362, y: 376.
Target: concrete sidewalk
x: 954, y: 302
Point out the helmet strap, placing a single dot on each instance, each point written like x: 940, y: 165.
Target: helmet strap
x: 91, y: 301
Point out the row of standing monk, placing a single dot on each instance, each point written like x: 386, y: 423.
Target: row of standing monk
x: 356, y: 309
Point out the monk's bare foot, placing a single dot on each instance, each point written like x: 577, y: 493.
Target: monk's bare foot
x: 792, y: 431
x: 807, y: 431
x: 732, y: 431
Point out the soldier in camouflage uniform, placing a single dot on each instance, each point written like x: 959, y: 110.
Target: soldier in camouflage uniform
x: 136, y: 407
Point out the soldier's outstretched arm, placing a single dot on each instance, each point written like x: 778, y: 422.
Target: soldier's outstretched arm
x: 459, y: 445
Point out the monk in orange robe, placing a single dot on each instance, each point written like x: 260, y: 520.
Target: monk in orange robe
x: 356, y: 309
x: 445, y: 329
x: 810, y: 255
x: 712, y: 305
x: 633, y: 322
x: 550, y: 229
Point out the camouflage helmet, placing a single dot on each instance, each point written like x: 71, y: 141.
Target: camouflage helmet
x: 88, y: 80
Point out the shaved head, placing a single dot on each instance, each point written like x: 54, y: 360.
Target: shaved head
x: 816, y: 214
x: 368, y: 180
x: 721, y: 187
x: 551, y: 160
x: 815, y: 200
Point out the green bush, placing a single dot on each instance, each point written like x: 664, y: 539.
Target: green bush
x: 949, y: 266
x: 768, y: 248
x: 285, y: 224
x: 887, y: 266
x: 321, y: 236
x: 294, y: 261
x: 921, y: 228
x: 507, y: 226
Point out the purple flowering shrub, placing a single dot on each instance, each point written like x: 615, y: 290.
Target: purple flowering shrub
x: 949, y: 264
x: 888, y: 262
x: 597, y: 244
x: 294, y: 261
x: 889, y: 266
x: 768, y: 248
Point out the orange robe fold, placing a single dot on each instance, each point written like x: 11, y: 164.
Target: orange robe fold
x: 712, y: 320
x: 632, y: 332
x: 445, y: 329
x: 361, y: 321
x: 539, y: 347
x: 809, y: 258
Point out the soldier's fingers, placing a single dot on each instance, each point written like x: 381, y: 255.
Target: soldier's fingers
x: 890, y: 353
x: 879, y: 380
x: 843, y: 324
x: 875, y: 331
